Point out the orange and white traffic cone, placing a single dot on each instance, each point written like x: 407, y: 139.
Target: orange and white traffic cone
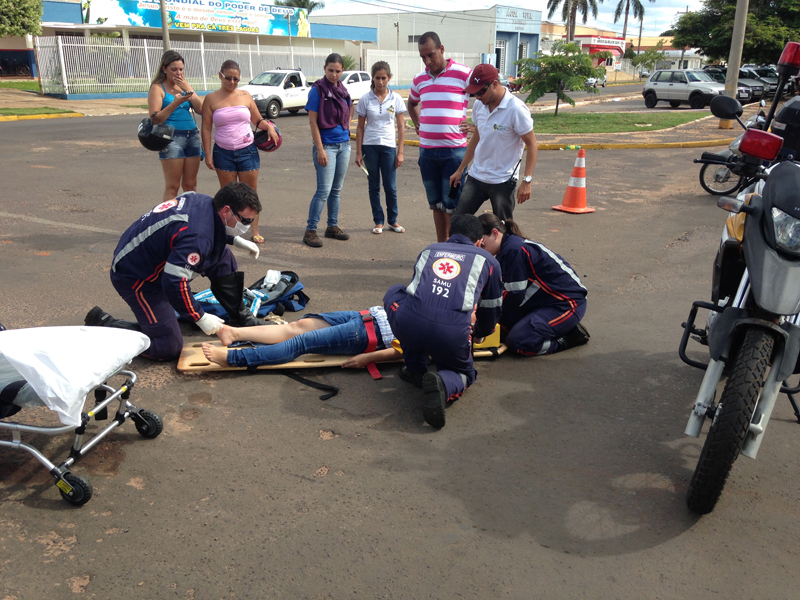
x: 575, y: 197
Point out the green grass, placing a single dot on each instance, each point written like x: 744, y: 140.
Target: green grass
x: 570, y: 122
x: 44, y: 110
x: 28, y: 86
x: 142, y: 106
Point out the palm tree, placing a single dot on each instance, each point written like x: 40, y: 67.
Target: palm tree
x: 570, y: 10
x: 309, y: 5
x: 625, y: 5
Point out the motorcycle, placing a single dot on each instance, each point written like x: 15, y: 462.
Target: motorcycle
x: 753, y: 326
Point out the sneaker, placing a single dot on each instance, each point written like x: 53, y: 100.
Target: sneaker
x: 435, y: 399
x: 312, y: 239
x: 97, y: 317
x: 412, y: 378
x: 577, y: 336
x: 336, y: 233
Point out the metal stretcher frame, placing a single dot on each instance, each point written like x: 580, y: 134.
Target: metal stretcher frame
x: 75, y: 489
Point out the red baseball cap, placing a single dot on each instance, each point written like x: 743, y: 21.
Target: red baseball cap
x: 481, y: 75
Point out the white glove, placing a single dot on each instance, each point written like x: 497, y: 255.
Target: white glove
x: 251, y: 247
x: 210, y: 324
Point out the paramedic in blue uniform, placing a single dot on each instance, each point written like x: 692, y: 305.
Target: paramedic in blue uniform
x: 543, y: 298
x: 165, y: 249
x: 455, y: 283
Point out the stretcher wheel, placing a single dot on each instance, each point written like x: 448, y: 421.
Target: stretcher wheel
x: 81, y: 490
x: 149, y: 425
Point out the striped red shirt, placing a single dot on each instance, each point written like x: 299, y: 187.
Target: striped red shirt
x: 443, y: 105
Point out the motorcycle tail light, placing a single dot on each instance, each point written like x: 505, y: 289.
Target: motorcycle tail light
x: 790, y: 57
x: 787, y: 231
x: 760, y: 144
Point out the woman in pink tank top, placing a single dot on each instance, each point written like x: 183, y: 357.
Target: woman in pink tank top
x: 234, y: 155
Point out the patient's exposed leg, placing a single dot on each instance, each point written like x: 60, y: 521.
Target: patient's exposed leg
x: 269, y: 334
x: 217, y: 354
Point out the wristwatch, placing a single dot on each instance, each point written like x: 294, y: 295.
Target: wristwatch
x: 527, y: 178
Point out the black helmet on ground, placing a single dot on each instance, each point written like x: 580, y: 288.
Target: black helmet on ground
x: 155, y: 136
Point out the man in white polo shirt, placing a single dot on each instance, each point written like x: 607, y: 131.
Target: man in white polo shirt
x: 503, y: 126
x: 437, y: 104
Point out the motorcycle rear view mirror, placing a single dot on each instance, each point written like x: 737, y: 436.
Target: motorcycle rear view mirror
x: 725, y: 107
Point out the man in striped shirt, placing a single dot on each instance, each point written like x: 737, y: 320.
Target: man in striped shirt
x: 437, y: 104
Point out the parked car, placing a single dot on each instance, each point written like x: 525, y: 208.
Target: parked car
x: 277, y: 90
x: 503, y: 79
x: 681, y: 85
x: 595, y: 81
x: 744, y: 93
x: 356, y: 82
x: 758, y: 88
x: 767, y: 74
x: 644, y: 74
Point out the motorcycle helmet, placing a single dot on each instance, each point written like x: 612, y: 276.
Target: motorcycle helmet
x: 263, y: 142
x: 155, y: 136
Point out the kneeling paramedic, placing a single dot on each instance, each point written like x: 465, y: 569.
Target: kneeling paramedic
x: 165, y: 249
x: 455, y: 283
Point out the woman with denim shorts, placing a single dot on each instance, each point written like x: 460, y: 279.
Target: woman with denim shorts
x: 169, y: 101
x: 234, y: 156
x: 330, y: 110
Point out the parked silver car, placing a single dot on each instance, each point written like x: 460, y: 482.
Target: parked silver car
x: 678, y: 86
x: 758, y: 87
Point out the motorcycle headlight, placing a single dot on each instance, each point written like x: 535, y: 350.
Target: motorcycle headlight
x: 787, y: 231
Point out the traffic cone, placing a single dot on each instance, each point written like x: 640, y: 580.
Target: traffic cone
x: 575, y: 197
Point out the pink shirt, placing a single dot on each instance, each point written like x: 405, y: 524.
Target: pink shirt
x: 443, y: 105
x: 233, y: 127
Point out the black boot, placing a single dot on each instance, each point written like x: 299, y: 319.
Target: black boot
x: 97, y: 317
x: 228, y: 292
x: 577, y: 336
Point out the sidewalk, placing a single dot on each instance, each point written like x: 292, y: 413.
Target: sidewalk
x: 704, y: 132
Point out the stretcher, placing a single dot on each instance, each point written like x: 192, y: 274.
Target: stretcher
x: 57, y: 367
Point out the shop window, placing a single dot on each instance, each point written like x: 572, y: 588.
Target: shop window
x: 413, y: 39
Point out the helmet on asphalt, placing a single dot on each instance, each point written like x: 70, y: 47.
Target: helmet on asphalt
x: 263, y: 142
x: 155, y: 136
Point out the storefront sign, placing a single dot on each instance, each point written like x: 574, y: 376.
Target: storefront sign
x: 237, y: 16
x: 509, y: 18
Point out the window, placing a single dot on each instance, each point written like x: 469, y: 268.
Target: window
x: 678, y: 77
x: 365, y: 77
x: 500, y: 55
x: 413, y: 39
x: 353, y: 78
x: 662, y: 76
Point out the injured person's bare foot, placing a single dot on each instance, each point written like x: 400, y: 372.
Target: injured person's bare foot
x: 227, y: 335
x: 216, y: 354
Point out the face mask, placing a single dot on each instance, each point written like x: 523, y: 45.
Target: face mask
x: 239, y: 229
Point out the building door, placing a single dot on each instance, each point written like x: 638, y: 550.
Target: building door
x: 500, y: 55
x: 523, y: 51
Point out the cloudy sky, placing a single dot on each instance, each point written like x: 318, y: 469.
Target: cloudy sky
x: 659, y: 15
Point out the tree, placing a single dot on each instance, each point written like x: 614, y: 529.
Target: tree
x: 667, y: 33
x: 630, y: 53
x: 650, y: 57
x: 769, y: 26
x: 625, y: 6
x: 309, y: 5
x: 20, y: 17
x: 566, y: 69
x: 570, y: 10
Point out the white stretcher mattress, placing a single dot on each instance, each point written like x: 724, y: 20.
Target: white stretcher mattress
x: 63, y: 364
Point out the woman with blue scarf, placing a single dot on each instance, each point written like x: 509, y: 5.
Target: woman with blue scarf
x: 330, y: 110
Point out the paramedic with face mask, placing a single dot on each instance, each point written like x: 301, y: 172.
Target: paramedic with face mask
x: 165, y: 249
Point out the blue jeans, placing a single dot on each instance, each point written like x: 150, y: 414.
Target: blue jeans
x: 236, y: 161
x: 330, y: 180
x: 184, y: 144
x: 379, y: 161
x: 347, y: 334
x: 436, y: 166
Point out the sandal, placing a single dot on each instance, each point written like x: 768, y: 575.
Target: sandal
x: 397, y: 228
x: 258, y: 239
x: 378, y: 229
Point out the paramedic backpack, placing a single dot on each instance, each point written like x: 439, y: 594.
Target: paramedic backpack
x: 285, y: 294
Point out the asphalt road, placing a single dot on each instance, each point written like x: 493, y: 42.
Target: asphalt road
x: 555, y: 477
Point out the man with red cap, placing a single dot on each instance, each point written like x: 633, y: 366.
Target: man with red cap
x: 502, y: 128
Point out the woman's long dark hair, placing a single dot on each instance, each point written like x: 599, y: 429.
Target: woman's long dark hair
x: 491, y: 221
x: 169, y: 57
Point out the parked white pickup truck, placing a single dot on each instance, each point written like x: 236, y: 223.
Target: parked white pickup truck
x: 277, y: 90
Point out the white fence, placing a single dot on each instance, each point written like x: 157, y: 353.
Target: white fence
x: 406, y: 64
x: 96, y: 65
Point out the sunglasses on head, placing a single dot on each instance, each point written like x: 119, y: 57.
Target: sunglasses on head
x: 227, y: 78
x: 244, y: 220
x: 485, y: 88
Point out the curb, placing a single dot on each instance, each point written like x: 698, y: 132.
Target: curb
x: 620, y: 146
x: 42, y: 116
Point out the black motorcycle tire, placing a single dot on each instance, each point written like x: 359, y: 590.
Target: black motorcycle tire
x: 718, y: 188
x: 731, y: 421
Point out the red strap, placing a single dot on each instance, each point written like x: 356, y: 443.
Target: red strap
x: 372, y: 343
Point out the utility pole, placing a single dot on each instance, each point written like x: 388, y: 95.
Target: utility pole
x: 735, y: 56
x: 164, y: 25
x: 641, y: 23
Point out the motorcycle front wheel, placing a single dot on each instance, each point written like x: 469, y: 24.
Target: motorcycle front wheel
x: 719, y: 180
x: 731, y: 421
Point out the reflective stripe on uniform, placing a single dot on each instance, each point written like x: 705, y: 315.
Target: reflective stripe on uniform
x: 516, y: 286
x: 484, y: 303
x: 532, y: 289
x: 139, y: 239
x: 177, y: 271
x: 418, y: 269
x: 545, y: 348
x: 472, y: 283
x: 560, y: 262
